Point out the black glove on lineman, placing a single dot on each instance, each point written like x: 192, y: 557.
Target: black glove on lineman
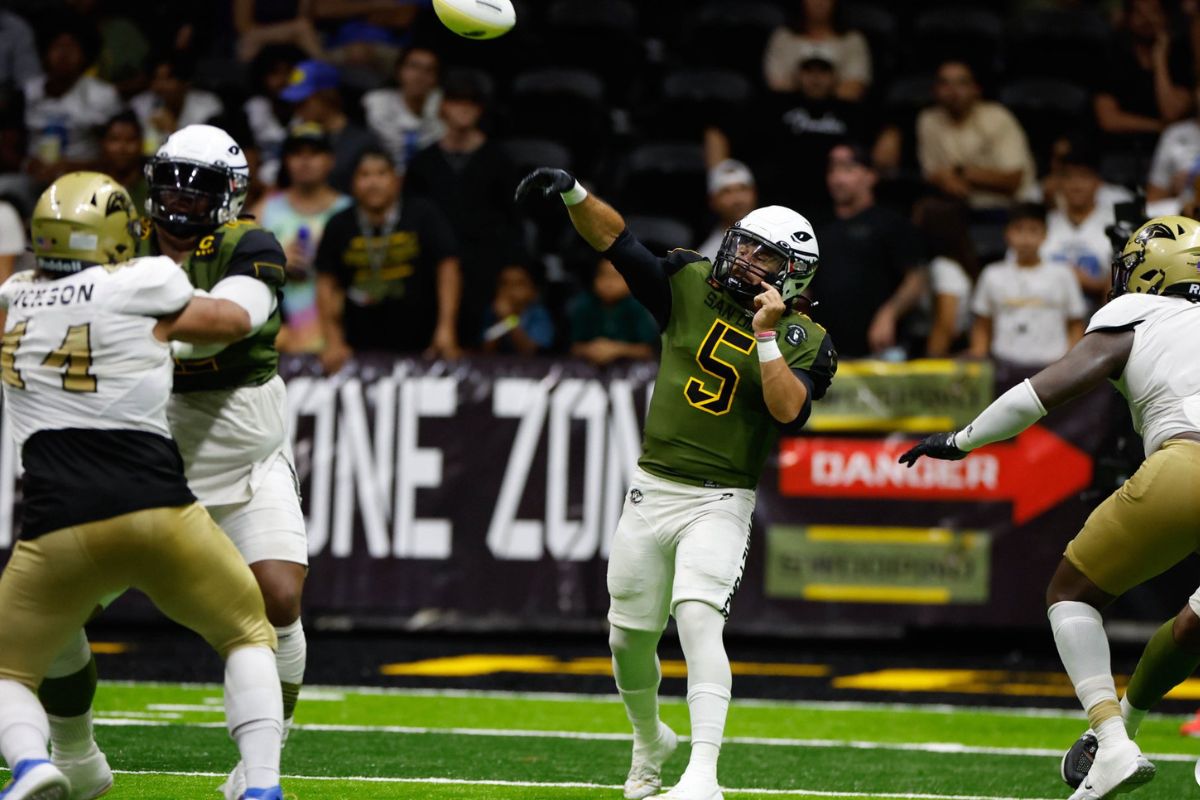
x: 939, y: 445
x: 543, y: 181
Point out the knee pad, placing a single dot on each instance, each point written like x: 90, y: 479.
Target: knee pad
x: 74, y: 656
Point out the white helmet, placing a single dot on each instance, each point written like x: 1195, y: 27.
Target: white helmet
x: 198, y: 181
x: 774, y: 244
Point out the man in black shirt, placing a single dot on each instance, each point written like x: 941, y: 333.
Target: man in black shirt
x: 387, y: 272
x: 872, y: 266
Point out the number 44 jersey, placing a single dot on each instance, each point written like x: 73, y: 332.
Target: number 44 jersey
x: 79, y: 352
x: 708, y: 423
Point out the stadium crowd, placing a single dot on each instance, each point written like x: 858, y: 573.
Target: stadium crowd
x: 960, y: 161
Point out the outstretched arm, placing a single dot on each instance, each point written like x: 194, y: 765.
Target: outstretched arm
x: 1098, y: 356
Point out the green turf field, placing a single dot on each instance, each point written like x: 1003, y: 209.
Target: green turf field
x: 169, y: 741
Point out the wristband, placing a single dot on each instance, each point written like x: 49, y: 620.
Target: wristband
x: 768, y: 348
x: 575, y: 195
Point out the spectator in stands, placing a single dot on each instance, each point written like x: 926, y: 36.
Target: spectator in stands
x: 517, y: 322
x: 171, y: 102
x: 12, y: 239
x: 469, y: 177
x: 1176, y: 163
x: 266, y: 111
x: 406, y: 119
x: 953, y: 268
x: 1107, y: 196
x: 297, y: 215
x: 970, y: 148
x: 260, y: 23
x: 607, y: 324
x: 814, y: 30
x: 64, y: 108
x: 15, y: 183
x: 1075, y: 230
x: 121, y: 154
x: 1146, y: 77
x: 731, y: 196
x: 314, y: 90
x: 388, y: 278
x: 872, y: 266
x: 19, y: 62
x: 1027, y: 312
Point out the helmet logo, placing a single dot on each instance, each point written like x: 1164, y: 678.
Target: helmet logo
x: 116, y: 204
x: 802, y: 236
x: 234, y: 150
x: 1156, y: 231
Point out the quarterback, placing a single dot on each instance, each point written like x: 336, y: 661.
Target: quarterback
x: 1142, y: 342
x: 739, y: 366
x: 228, y: 413
x: 87, y: 372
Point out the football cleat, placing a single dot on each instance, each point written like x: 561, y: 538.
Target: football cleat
x: 1117, y: 769
x: 36, y: 779
x: 273, y: 793
x: 694, y: 789
x: 645, y: 773
x: 1077, y: 762
x: 90, y: 776
x: 234, y: 786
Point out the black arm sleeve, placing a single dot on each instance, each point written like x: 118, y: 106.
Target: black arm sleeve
x: 259, y: 255
x: 648, y: 275
x: 793, y: 427
x: 816, y: 378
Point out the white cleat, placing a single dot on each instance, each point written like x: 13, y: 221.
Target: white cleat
x: 645, y: 773
x: 1116, y: 770
x: 235, y: 785
x: 36, y: 780
x: 90, y: 776
x: 690, y: 788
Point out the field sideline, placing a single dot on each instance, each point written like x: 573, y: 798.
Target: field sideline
x: 169, y: 741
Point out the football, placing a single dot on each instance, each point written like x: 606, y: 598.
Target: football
x: 477, y: 19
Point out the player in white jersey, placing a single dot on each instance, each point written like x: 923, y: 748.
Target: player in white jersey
x: 87, y: 372
x: 1144, y: 342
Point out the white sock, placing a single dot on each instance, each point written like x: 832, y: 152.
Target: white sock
x: 291, y: 655
x: 254, y: 712
x: 1111, y: 731
x: 1133, y: 717
x: 72, y: 737
x: 638, y: 673
x: 701, y: 628
x: 1083, y: 647
x: 24, y: 728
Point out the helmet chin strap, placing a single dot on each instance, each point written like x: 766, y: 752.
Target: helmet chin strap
x: 182, y: 230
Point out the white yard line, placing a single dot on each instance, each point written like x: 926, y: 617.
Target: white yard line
x: 945, y: 748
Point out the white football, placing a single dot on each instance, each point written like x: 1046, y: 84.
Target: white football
x: 477, y: 19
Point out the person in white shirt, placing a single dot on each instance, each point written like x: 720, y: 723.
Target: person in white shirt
x: 731, y: 196
x: 406, y: 119
x: 953, y: 266
x: 1141, y: 341
x: 1176, y: 162
x: 12, y: 238
x: 171, y: 103
x: 1027, y: 312
x: 1075, y: 233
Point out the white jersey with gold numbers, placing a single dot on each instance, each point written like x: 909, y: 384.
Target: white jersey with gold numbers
x: 79, y: 352
x: 1161, y: 380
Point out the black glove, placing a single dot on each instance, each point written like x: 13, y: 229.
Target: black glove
x: 543, y: 181
x: 939, y: 445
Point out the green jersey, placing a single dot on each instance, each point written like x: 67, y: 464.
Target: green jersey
x: 708, y: 422
x: 235, y: 248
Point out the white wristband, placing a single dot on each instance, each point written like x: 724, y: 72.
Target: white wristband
x: 575, y: 195
x: 1008, y: 415
x: 768, y: 349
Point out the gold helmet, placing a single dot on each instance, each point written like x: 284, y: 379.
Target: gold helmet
x: 1160, y: 258
x: 83, y: 219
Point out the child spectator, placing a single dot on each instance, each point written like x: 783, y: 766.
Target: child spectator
x: 517, y: 322
x: 607, y: 324
x: 952, y: 268
x: 1075, y: 230
x: 1027, y: 311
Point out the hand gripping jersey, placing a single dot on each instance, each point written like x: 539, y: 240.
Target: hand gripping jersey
x: 86, y: 386
x: 708, y: 422
x: 236, y: 248
x: 1161, y: 380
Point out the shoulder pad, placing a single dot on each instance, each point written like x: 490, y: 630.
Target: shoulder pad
x: 681, y: 257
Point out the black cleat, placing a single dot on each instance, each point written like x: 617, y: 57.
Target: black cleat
x: 1077, y: 762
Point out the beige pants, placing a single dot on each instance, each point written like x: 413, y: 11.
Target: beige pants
x: 1147, y: 526
x: 177, y: 556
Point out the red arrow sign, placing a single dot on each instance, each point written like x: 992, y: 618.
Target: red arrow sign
x: 1035, y: 472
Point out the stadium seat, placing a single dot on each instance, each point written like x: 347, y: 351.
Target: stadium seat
x: 729, y: 35
x: 974, y: 35
x: 1047, y: 108
x: 1059, y: 42
x: 1125, y: 167
x: 661, y: 234
x: 665, y: 179
x: 988, y: 238
x: 908, y: 94
x: 527, y: 154
x: 690, y: 99
x: 565, y: 105
x: 599, y: 35
x: 879, y: 25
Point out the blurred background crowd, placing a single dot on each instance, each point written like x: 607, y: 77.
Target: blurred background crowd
x: 960, y: 161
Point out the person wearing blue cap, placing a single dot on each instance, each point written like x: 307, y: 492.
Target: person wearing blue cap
x: 313, y: 89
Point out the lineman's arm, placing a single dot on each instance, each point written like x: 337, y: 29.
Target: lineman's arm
x: 1099, y: 356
